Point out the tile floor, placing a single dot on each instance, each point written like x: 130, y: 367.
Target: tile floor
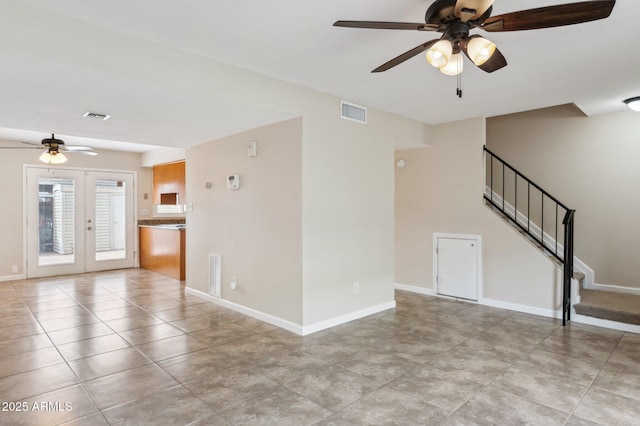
x: 129, y: 347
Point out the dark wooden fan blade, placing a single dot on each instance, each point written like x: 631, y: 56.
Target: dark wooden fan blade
x: 386, y: 25
x: 407, y: 55
x: 550, y: 16
x: 495, y: 62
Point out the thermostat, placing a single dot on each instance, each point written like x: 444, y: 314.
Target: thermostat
x: 233, y: 182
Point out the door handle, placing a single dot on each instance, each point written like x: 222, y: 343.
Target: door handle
x: 88, y: 228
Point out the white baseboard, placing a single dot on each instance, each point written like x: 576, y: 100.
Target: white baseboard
x: 270, y: 319
x: 543, y: 312
x: 342, y: 319
x: 288, y: 325
x: 415, y: 289
x: 550, y: 313
x: 15, y: 277
x: 598, y: 322
x: 614, y: 288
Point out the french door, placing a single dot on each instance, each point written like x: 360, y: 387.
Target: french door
x: 78, y: 221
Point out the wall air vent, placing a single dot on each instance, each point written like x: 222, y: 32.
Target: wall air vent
x: 353, y: 112
x: 96, y: 115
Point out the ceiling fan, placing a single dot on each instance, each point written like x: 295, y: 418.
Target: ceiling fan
x: 456, y: 18
x: 54, y: 149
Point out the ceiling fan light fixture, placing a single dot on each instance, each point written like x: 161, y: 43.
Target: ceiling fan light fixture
x: 633, y: 103
x: 454, y: 66
x: 480, y: 50
x: 440, y: 53
x: 53, y: 157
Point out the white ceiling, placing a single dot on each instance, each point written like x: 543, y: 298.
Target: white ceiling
x: 594, y: 65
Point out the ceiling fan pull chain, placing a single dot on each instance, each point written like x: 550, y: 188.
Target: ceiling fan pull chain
x: 459, y: 79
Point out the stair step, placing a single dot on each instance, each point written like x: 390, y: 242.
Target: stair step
x: 578, y: 276
x: 619, y: 307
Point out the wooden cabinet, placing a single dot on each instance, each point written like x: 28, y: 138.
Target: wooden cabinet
x: 169, y: 183
x: 163, y: 250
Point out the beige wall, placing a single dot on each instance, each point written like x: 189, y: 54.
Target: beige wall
x: 258, y: 228
x: 11, y: 174
x: 440, y: 191
x: 590, y: 164
x: 348, y: 209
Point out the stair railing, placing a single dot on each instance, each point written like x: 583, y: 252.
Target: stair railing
x: 537, y: 215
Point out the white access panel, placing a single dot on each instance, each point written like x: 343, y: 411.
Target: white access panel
x: 457, y: 266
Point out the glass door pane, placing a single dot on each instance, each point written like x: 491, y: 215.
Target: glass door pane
x: 110, y: 223
x: 56, y: 230
x: 110, y: 214
x: 55, y: 212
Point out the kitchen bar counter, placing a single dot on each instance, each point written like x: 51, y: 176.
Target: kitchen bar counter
x: 162, y: 249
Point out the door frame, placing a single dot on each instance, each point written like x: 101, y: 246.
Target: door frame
x: 25, y: 195
x: 480, y: 271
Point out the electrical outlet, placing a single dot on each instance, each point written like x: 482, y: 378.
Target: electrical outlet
x: 233, y: 284
x: 14, y: 269
x: 356, y: 287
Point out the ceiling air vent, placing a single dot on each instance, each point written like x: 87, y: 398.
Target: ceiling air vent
x: 96, y: 115
x: 353, y: 112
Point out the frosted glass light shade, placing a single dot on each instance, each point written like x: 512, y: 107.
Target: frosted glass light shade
x: 633, y: 103
x: 53, y: 157
x: 438, y: 55
x: 454, y: 66
x: 480, y: 50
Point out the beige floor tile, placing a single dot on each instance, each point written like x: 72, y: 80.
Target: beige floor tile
x: 36, y: 382
x: 27, y: 361
x: 606, y: 408
x: 199, y: 364
x: 445, y: 389
x: 71, y: 321
x: 171, y: 347
x: 556, y: 392
x: 332, y: 387
x: 428, y: 361
x: 134, y: 322
x: 24, y: 344
x: 93, y: 346
x: 493, y: 406
x: 53, y: 408
x: 143, y: 335
x: 128, y: 385
x: 231, y: 388
x: 108, y: 363
x: 223, y: 334
x: 82, y: 332
x: 280, y: 407
x: 389, y: 406
x: 173, y: 406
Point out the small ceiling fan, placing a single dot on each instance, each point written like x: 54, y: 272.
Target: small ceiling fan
x: 54, y: 149
x: 456, y: 18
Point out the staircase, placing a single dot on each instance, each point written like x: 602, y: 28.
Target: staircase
x: 536, y: 214
x: 607, y: 305
x: 548, y: 224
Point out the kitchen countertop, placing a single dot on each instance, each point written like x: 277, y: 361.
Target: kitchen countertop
x: 176, y: 226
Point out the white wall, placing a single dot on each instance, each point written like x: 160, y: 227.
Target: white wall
x: 440, y: 191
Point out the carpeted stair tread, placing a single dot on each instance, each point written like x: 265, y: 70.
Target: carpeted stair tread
x: 620, y: 307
